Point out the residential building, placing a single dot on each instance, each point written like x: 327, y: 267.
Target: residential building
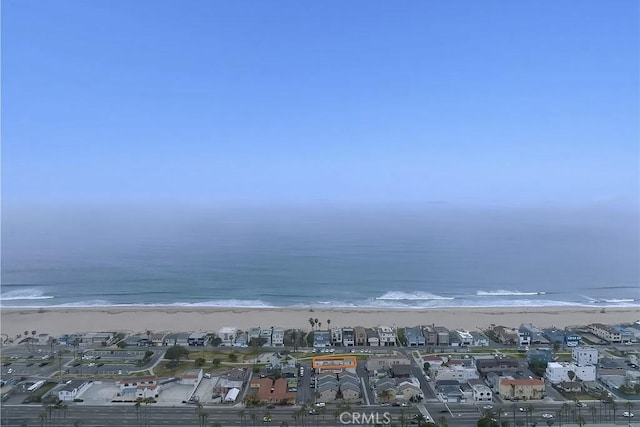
x: 449, y: 391
x: 361, y: 336
x: 430, y: 335
x: 584, y: 356
x: 349, y: 391
x: 414, y: 336
x: 506, y: 335
x: 268, y: 391
x: 277, y: 336
x: 265, y: 336
x: 91, y: 338
x: 377, y: 363
x: 73, y: 389
x: 372, y: 337
x: 562, y: 337
x: 197, y: 339
x: 606, y: 332
x: 442, y: 334
x: 410, y: 391
x: 191, y: 377
x: 497, y: 365
x: 400, y: 371
x: 336, y: 336
x: 465, y: 338
x: 479, y: 339
x: 433, y: 361
x: 480, y: 392
x: 227, y: 335
x: 536, y: 336
x: 327, y: 391
x: 253, y: 333
x: 456, y: 372
x: 523, y: 389
x: 626, y: 335
x: 321, y: 339
x: 43, y: 339
x: 387, y: 336
x: 348, y: 337
x: 558, y: 372
x: 524, y: 339
x: 181, y: 338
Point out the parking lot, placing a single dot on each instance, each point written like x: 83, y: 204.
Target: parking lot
x: 105, y: 369
x: 100, y: 392
x: 174, y: 393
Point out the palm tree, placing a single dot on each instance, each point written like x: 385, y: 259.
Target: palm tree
x: 442, y: 421
x: 594, y: 413
x: 329, y: 323
x: 148, y: 333
x: 242, y: 414
x: 614, y: 408
x: 316, y: 322
x: 628, y: 405
x: 311, y: 322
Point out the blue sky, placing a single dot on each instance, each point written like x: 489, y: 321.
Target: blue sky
x: 462, y: 102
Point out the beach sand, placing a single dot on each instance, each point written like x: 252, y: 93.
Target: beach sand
x: 58, y: 321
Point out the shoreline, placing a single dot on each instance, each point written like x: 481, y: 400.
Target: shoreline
x: 57, y: 321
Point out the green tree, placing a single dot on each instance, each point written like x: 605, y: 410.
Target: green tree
x: 426, y: 366
x: 233, y: 357
x: 216, y: 362
x: 176, y: 353
x: 200, y: 362
x: 311, y: 322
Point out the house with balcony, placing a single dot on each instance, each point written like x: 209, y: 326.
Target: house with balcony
x: 387, y: 336
x: 373, y: 339
x: 321, y: 339
x: 442, y: 335
x: 430, y: 335
x: 536, y: 335
x: 479, y: 339
x: 360, y: 336
x: 197, y: 339
x: 348, y: 337
x: 505, y: 335
x: 480, y: 392
x: 227, y: 335
x: 266, y: 337
x: 277, y: 336
x: 414, y: 336
x: 499, y: 365
x: 336, y: 336
x: 464, y: 338
x: 606, y: 332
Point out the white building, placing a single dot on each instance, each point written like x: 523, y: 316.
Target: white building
x: 336, y: 336
x: 465, y: 337
x: 72, y: 390
x: 191, y: 377
x: 481, y: 393
x: 277, y: 337
x: 387, y: 336
x: 227, y: 335
x: 456, y: 372
x: 559, y: 372
x: 583, y: 356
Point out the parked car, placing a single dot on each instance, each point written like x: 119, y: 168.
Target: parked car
x: 627, y: 414
x: 548, y: 416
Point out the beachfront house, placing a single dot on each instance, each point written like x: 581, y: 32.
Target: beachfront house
x: 465, y: 338
x: 387, y: 336
x: 506, y: 335
x: 442, y: 335
x: 414, y: 336
x: 321, y: 339
x: 361, y: 336
x: 336, y: 336
x: 266, y: 337
x: 373, y: 339
x: 348, y: 337
x: 536, y: 335
x: 228, y: 336
x: 197, y: 339
x: 430, y: 335
x: 181, y: 338
x: 277, y: 336
x: 479, y: 339
x: 605, y: 332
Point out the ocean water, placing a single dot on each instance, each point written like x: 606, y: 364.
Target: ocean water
x: 421, y: 258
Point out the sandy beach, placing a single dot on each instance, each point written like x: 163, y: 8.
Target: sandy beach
x: 131, y: 319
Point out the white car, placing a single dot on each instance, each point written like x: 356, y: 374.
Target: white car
x: 487, y: 407
x: 627, y: 414
x: 547, y: 416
